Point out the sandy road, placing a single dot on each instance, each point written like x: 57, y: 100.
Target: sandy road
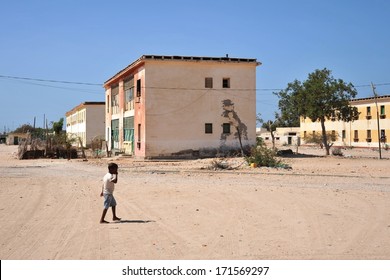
x: 323, y: 208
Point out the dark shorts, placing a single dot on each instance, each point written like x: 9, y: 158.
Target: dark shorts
x: 109, y: 201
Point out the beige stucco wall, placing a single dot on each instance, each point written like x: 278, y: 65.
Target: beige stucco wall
x: 178, y: 105
x: 15, y: 137
x: 95, y: 123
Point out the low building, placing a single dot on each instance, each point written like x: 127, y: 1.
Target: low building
x: 15, y: 138
x: 86, y: 122
x: 283, y: 136
x: 174, y: 106
x: 360, y: 133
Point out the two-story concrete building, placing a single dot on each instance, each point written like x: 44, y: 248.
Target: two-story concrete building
x: 86, y: 121
x: 171, y: 106
x: 362, y: 132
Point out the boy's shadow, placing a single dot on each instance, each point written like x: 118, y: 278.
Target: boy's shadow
x: 135, y: 221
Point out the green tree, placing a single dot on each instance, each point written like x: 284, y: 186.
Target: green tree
x: 288, y: 105
x: 57, y: 126
x: 24, y: 128
x: 319, y: 98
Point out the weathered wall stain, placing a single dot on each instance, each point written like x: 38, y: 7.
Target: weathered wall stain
x: 241, y: 130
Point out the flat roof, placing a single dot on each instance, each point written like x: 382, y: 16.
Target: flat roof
x: 361, y: 100
x: 183, y: 58
x: 82, y: 105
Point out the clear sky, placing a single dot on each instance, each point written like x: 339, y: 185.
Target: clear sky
x: 88, y: 41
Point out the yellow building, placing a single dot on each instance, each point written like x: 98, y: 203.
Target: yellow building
x: 179, y: 106
x: 360, y: 133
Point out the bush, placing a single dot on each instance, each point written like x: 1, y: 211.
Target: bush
x: 260, y: 141
x: 262, y: 156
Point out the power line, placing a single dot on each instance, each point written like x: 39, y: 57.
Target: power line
x: 382, y: 84
x: 91, y: 91
x: 163, y: 88
x: 50, y: 81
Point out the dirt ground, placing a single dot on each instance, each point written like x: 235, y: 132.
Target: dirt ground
x: 321, y: 208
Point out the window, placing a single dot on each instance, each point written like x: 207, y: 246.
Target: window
x: 208, y: 83
x: 128, y: 129
x: 383, y: 112
x: 368, y: 139
x: 139, y: 88
x: 114, y: 94
x: 226, y: 128
x: 129, y: 97
x: 128, y: 87
x: 226, y: 82
x: 333, y: 117
x: 115, y: 99
x: 208, y: 128
x: 333, y: 135
x: 356, y: 136
x: 383, y: 135
x: 368, y: 112
x: 343, y: 135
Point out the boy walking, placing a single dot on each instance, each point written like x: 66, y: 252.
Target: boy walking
x: 109, y: 181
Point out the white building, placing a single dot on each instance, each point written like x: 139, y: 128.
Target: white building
x: 283, y: 135
x: 86, y: 121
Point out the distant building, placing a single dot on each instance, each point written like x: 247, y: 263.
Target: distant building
x: 15, y: 138
x: 170, y: 106
x: 360, y: 133
x: 86, y: 121
x: 283, y: 135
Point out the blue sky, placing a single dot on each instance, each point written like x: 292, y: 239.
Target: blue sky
x: 89, y: 41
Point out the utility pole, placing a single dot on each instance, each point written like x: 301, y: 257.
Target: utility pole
x: 377, y: 120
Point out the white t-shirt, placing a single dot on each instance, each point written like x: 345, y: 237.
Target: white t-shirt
x: 108, y: 184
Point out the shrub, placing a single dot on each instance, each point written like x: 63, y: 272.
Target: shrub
x: 260, y: 141
x: 263, y: 156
